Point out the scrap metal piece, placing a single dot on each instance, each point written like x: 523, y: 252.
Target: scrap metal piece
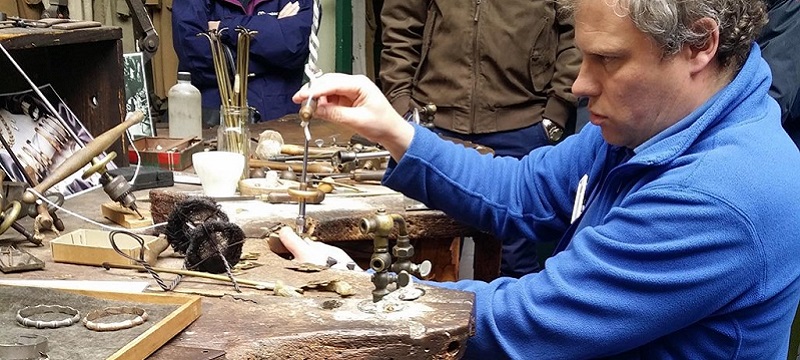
x: 187, y: 353
x: 340, y: 287
x: 307, y: 267
x: 16, y: 260
x: 25, y: 347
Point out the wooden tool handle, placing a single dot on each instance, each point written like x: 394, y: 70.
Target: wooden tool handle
x: 290, y: 149
x: 313, y: 167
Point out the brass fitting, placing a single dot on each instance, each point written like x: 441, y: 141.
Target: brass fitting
x: 380, y: 226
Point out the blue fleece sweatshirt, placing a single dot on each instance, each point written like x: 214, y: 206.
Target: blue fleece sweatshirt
x: 687, y: 250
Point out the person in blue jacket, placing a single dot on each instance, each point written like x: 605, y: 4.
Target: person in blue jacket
x: 684, y: 243
x: 278, y: 52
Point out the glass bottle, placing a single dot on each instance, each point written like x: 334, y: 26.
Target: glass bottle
x: 185, y: 109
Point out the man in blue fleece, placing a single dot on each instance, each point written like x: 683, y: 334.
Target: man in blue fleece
x: 685, y: 245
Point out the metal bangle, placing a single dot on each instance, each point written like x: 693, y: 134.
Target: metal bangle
x: 24, y: 157
x: 44, y: 156
x: 141, y: 317
x: 28, y: 150
x: 7, y: 129
x: 24, y: 314
x: 54, y: 141
x: 59, y: 130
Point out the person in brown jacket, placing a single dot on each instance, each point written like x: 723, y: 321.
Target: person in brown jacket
x: 499, y: 72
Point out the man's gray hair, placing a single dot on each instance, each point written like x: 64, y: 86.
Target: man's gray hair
x: 672, y: 23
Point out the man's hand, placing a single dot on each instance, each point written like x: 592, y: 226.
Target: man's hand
x: 355, y: 102
x: 290, y: 9
x: 313, y: 252
x: 213, y: 25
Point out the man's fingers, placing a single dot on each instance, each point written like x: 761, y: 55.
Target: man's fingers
x: 296, y: 245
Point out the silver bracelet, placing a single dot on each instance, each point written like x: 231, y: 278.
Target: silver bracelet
x: 141, y: 317
x: 24, y: 314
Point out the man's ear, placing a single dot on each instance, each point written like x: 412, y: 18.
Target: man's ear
x: 702, y: 54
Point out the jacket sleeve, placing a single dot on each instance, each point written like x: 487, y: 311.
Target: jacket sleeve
x: 403, y: 28
x: 500, y: 202
x: 641, y: 274
x: 279, y: 43
x: 190, y: 18
x: 561, y: 102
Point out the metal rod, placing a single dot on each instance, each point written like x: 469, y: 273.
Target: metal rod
x: 263, y: 285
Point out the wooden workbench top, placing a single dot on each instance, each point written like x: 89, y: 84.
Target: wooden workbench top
x: 255, y: 324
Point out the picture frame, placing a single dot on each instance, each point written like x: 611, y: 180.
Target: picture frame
x: 136, y: 94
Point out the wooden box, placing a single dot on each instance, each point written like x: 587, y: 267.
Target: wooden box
x: 167, y: 153
x: 93, y: 247
x: 84, y: 67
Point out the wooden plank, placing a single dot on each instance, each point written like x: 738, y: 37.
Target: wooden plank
x: 28, y: 38
x: 126, y: 217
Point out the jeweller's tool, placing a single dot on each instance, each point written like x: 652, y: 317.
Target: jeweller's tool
x: 261, y: 285
x: 307, y: 109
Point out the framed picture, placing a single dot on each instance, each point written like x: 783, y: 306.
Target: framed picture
x: 136, y: 96
x: 35, y: 142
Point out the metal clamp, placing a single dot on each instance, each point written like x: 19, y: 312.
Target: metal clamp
x: 26, y: 347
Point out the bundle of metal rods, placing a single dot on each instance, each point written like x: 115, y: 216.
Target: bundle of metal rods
x: 233, y: 94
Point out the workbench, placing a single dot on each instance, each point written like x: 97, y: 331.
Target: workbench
x: 255, y: 324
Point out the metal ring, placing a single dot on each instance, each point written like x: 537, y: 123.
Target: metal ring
x: 24, y: 314
x: 54, y: 141
x: 44, y: 156
x: 7, y: 129
x: 10, y: 215
x: 28, y: 150
x: 60, y: 131
x: 24, y: 157
x: 141, y: 317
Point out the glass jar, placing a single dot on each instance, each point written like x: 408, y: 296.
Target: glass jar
x: 233, y: 133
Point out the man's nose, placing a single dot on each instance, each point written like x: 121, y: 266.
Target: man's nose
x: 585, y: 84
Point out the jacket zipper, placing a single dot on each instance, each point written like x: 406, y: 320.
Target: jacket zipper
x: 475, y: 65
